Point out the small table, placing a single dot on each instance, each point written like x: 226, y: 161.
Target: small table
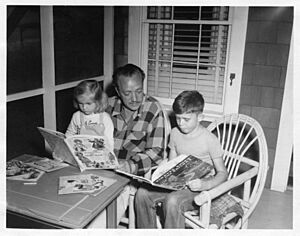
x: 41, y: 203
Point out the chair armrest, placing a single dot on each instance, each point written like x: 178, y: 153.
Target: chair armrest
x: 225, y: 187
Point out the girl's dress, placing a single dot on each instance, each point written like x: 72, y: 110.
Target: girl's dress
x: 99, y: 124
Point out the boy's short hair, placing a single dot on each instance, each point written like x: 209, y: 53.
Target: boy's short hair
x: 127, y: 70
x: 189, y: 101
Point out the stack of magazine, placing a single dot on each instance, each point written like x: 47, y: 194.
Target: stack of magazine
x: 31, y: 168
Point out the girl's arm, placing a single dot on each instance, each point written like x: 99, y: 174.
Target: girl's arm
x: 73, y: 126
x: 210, y: 182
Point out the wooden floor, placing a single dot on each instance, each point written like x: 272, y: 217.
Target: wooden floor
x: 274, y: 211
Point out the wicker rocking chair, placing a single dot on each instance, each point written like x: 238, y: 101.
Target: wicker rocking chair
x: 246, y: 159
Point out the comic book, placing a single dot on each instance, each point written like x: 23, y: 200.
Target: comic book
x: 89, y: 183
x: 45, y: 164
x: 85, y: 151
x: 174, y: 174
x: 18, y: 170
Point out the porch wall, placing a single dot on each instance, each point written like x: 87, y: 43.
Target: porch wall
x: 265, y: 63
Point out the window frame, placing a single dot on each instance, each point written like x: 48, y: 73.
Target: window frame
x: 49, y: 88
x: 238, y: 17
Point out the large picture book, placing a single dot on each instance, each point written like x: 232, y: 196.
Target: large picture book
x: 174, y: 174
x: 19, y: 170
x: 85, y: 151
x: 84, y: 183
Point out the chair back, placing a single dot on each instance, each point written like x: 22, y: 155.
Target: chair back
x: 167, y: 131
x: 244, y: 145
x: 167, y: 125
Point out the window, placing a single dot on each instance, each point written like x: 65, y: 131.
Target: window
x: 49, y: 50
x: 187, y: 55
x: 24, y: 70
x: 188, y: 48
x: 78, y: 35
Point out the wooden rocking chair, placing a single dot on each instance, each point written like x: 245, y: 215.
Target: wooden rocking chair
x: 246, y: 159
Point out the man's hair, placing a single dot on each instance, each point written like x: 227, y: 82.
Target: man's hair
x: 128, y: 70
x: 188, y: 102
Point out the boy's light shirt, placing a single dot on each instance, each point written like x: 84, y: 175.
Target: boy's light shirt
x: 203, y: 145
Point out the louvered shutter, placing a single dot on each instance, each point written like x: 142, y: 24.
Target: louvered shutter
x: 187, y: 50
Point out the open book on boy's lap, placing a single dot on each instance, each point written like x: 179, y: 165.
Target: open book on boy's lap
x: 85, y: 151
x: 174, y: 174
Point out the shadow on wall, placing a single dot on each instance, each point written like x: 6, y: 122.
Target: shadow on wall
x: 110, y: 90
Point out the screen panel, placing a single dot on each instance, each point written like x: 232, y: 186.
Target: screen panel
x: 78, y: 42
x: 24, y: 66
x: 23, y: 118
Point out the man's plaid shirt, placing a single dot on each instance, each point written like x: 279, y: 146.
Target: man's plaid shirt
x: 141, y: 139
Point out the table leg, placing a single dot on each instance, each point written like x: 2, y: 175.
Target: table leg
x: 111, y: 215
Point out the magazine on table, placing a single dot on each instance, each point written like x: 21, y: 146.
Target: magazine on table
x: 83, y: 183
x: 85, y: 151
x: 19, y: 170
x: 45, y: 164
x: 174, y: 174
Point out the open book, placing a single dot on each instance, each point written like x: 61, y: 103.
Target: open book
x: 89, y: 183
x: 85, y: 151
x: 174, y: 174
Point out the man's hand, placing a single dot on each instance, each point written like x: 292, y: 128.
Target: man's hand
x: 124, y: 166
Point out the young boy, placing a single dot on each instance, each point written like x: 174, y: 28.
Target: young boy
x: 190, y: 137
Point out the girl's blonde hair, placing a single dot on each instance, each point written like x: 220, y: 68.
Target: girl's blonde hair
x: 91, y: 87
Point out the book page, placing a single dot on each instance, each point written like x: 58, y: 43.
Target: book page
x: 89, y: 183
x: 90, y: 152
x: 60, y: 150
x: 175, y: 174
x: 166, y: 165
x: 139, y: 178
x: 52, y: 137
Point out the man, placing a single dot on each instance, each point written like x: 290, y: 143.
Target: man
x: 138, y: 122
x: 138, y: 130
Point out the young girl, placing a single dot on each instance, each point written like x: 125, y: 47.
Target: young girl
x: 91, y: 117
